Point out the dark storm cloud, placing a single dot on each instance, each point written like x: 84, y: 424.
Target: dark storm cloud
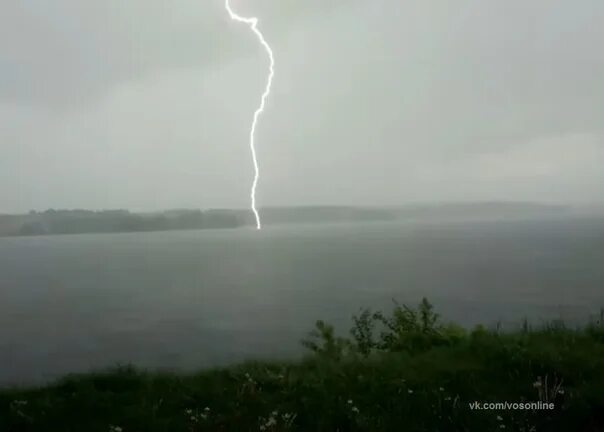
x: 147, y: 104
x: 68, y: 51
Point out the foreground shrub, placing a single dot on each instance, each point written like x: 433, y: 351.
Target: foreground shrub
x: 403, y: 371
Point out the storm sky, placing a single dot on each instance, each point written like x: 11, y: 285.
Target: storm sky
x: 146, y: 104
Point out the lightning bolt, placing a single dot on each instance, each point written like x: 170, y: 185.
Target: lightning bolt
x: 253, y: 23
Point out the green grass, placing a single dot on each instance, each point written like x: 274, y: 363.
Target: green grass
x: 406, y: 372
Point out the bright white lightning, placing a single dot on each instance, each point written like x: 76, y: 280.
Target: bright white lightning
x: 253, y: 23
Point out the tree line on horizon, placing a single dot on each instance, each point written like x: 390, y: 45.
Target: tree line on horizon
x: 112, y: 221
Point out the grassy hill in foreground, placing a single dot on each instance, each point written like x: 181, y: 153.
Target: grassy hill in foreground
x: 406, y: 371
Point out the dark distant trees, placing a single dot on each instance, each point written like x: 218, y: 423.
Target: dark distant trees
x: 85, y: 221
x: 33, y: 228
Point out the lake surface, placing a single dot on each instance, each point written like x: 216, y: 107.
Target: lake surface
x: 188, y: 299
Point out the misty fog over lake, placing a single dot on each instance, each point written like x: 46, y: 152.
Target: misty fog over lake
x: 188, y: 299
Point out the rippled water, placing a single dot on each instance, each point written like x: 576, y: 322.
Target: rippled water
x: 190, y: 299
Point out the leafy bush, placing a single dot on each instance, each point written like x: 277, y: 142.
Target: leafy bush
x: 362, y: 332
x: 405, y: 329
x: 322, y: 341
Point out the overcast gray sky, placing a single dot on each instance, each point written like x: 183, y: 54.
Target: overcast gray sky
x: 146, y: 104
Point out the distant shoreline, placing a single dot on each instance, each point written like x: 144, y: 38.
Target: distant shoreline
x: 61, y: 222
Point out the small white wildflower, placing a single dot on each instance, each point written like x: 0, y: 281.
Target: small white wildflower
x: 188, y: 411
x: 355, y: 410
x: 206, y: 409
x: 561, y: 391
x: 410, y: 391
x: 448, y: 398
x: 262, y: 427
x: 349, y: 401
x: 537, y: 383
x: 441, y: 389
x: 203, y: 416
x: 499, y: 418
x: 275, y: 413
x: 501, y: 426
x: 271, y: 422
